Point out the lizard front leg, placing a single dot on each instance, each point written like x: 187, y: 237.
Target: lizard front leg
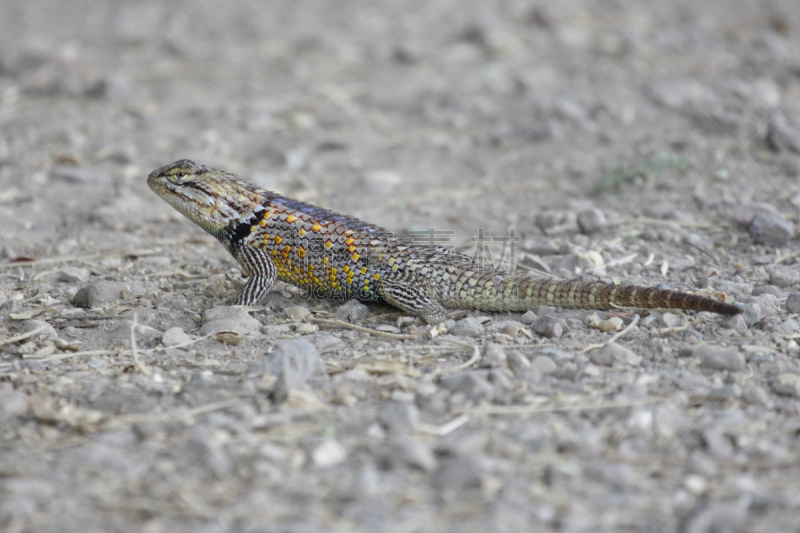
x: 416, y: 296
x: 260, y: 271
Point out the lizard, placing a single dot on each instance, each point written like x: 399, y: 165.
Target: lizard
x: 337, y: 256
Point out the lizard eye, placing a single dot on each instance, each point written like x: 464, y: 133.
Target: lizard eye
x: 178, y: 177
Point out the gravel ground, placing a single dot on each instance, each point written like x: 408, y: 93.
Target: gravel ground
x: 647, y: 142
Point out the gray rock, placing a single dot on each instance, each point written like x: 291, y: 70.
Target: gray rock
x: 276, y: 330
x: 549, y: 327
x: 718, y: 444
x: 493, y: 356
x: 557, y: 355
x: 298, y: 356
x: 352, y: 311
x: 473, y: 384
x: 533, y: 261
x: 783, y: 135
x: 793, y: 303
x: 591, y: 220
x: 455, y: 476
x: 679, y: 264
x: 767, y: 289
x: 296, y: 312
x: 771, y: 230
x: 751, y: 313
x: 785, y: 277
x: 326, y: 343
x: 468, y: 327
x: 543, y: 364
x: 755, y: 395
x: 97, y: 294
x: 228, y: 318
x: 175, y: 336
x: 734, y: 322
x: 328, y: 453
x: 12, y: 404
x: 242, y: 326
x: 224, y: 312
x: 517, y: 361
x: 405, y: 452
x: 400, y: 417
x: 790, y: 325
x: 200, y: 451
x: 73, y: 275
x: 787, y: 384
x: 30, y: 325
x: 540, y: 246
x: 719, y: 358
x: 355, y: 375
x: 430, y: 403
x: 177, y: 302
x: 529, y: 317
x: 612, y: 353
x: 670, y: 320
x: 499, y: 380
x: 146, y: 336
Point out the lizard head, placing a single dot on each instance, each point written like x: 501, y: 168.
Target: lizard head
x: 213, y: 199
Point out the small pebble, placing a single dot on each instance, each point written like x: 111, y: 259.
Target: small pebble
x: 734, y: 322
x: 548, y: 327
x: 228, y: 318
x: 793, y: 303
x: 771, y: 230
x: 399, y: 417
x: 719, y: 357
x: 613, y: 353
x: 296, y: 312
x: 411, y: 453
x: 306, y: 329
x: 33, y: 324
x: 517, y: 361
x: 785, y: 277
x: 298, y: 356
x: 328, y: 453
x: 472, y: 384
x: 73, y: 275
x: 493, y: 356
x: 751, y: 313
x: 529, y: 317
x: 544, y: 365
x: 787, y: 384
x: 97, y: 294
x: 175, y: 336
x: 456, y: 475
x: 352, y: 311
x: 611, y: 324
x: 670, y: 320
x: 468, y: 327
x: 591, y: 221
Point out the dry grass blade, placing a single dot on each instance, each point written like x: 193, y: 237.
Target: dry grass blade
x: 376, y: 333
x: 533, y: 409
x: 614, y: 338
x: 24, y: 335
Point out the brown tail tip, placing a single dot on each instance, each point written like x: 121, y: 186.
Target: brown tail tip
x: 726, y: 309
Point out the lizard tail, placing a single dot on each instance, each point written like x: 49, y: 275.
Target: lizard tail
x: 518, y: 293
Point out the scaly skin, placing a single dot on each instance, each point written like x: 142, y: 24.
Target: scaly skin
x: 336, y: 256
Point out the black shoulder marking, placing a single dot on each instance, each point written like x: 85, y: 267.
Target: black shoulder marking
x: 236, y: 232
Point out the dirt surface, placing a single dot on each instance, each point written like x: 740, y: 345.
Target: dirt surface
x: 647, y: 142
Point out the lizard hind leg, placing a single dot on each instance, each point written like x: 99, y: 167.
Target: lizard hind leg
x: 413, y: 295
x: 260, y: 271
